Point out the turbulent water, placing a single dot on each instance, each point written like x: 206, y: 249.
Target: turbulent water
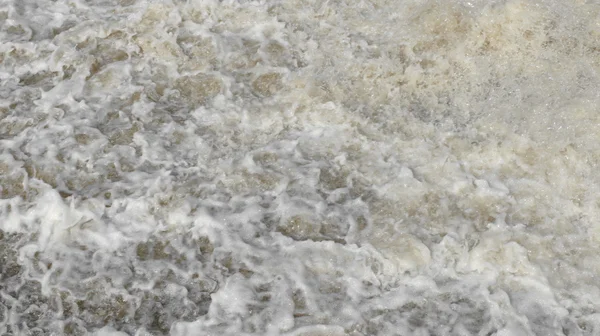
x: 300, y: 167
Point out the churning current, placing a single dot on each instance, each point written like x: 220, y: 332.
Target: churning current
x: 300, y: 167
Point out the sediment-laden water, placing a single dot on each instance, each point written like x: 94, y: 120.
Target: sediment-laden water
x: 299, y: 167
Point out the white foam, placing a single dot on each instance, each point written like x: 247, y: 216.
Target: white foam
x: 301, y: 167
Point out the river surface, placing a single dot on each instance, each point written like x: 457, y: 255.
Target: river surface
x: 300, y: 167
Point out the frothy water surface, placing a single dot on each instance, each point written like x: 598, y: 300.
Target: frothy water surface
x: 299, y: 167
